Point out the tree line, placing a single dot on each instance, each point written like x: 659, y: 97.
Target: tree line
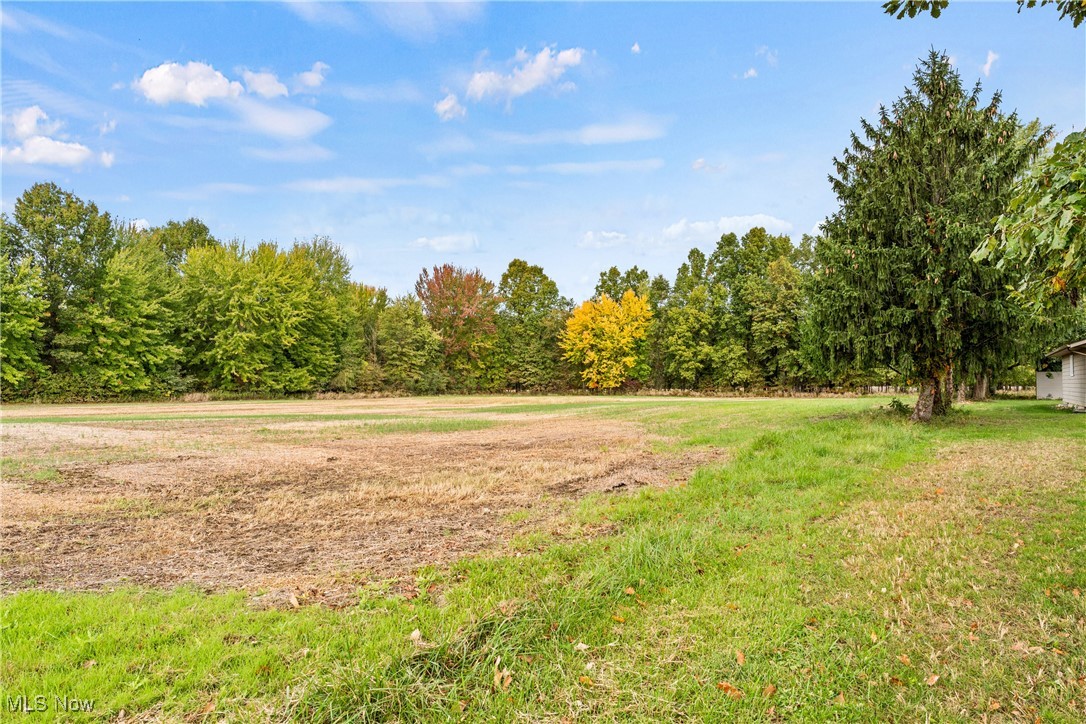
x: 906, y: 285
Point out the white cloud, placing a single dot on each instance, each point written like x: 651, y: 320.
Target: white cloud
x: 602, y: 239
x: 987, y: 67
x: 543, y: 69
x: 694, y: 232
x: 601, y: 167
x: 771, y: 57
x: 449, y: 108
x: 449, y: 243
x: 281, y: 121
x: 194, y: 83
x: 702, y: 165
x: 33, y: 129
x: 636, y: 48
x: 140, y: 224
x: 750, y: 73
x: 313, y: 78
x: 263, y: 83
x: 643, y: 129
x: 47, y: 151
x: 107, y: 127
x: 32, y: 121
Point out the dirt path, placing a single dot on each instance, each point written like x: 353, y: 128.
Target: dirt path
x: 316, y: 506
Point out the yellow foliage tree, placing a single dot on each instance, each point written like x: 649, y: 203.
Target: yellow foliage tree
x: 606, y: 338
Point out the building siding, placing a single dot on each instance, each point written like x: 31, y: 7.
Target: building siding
x: 1049, y: 385
x: 1074, y: 386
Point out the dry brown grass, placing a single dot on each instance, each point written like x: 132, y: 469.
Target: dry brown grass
x: 296, y: 505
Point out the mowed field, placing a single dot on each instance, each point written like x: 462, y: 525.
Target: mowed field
x: 543, y: 559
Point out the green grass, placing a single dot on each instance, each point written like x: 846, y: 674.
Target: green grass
x: 849, y: 555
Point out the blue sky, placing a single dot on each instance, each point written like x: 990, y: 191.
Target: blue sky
x: 572, y: 135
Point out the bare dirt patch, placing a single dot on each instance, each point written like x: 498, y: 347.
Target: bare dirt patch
x: 223, y: 504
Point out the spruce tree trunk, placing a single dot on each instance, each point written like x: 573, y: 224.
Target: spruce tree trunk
x: 925, y: 403
x: 980, y: 388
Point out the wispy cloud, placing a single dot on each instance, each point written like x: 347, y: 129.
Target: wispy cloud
x: 424, y: 22
x: 641, y: 129
x: 602, y: 239
x: 448, y: 243
x: 987, y: 67
x: 702, y: 165
x: 208, y: 190
x: 360, y: 185
x: 401, y: 91
x: 771, y: 57
x: 280, y: 120
x: 577, y: 168
x: 694, y: 232
x: 636, y: 48
x: 529, y: 73
x: 295, y: 153
x: 324, y: 14
x: 750, y: 73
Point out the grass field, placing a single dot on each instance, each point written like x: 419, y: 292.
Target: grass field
x: 551, y: 559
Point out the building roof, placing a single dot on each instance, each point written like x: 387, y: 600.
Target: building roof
x: 1073, y: 347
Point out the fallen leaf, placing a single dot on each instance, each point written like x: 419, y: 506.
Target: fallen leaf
x: 740, y: 657
x: 208, y: 708
x: 874, y: 638
x: 1076, y: 593
x: 416, y: 636
x: 630, y: 591
x: 618, y: 619
x: 89, y: 663
x: 294, y: 601
x: 769, y: 690
x: 580, y: 646
x: 586, y: 680
x: 932, y: 680
x: 839, y: 699
x: 993, y: 705
x: 939, y: 491
x: 730, y: 690
x: 896, y: 681
x: 904, y: 658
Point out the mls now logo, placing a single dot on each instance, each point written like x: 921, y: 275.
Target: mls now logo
x: 27, y: 704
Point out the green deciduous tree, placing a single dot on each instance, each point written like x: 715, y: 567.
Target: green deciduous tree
x: 69, y: 242
x: 615, y: 283
x: 1074, y: 10
x: 123, y: 340
x: 257, y: 320
x: 175, y: 238
x: 918, y: 192
x: 1041, y: 236
x: 22, y: 307
x: 408, y: 348
x: 530, y: 318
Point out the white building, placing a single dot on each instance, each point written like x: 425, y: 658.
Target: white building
x: 1073, y: 378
